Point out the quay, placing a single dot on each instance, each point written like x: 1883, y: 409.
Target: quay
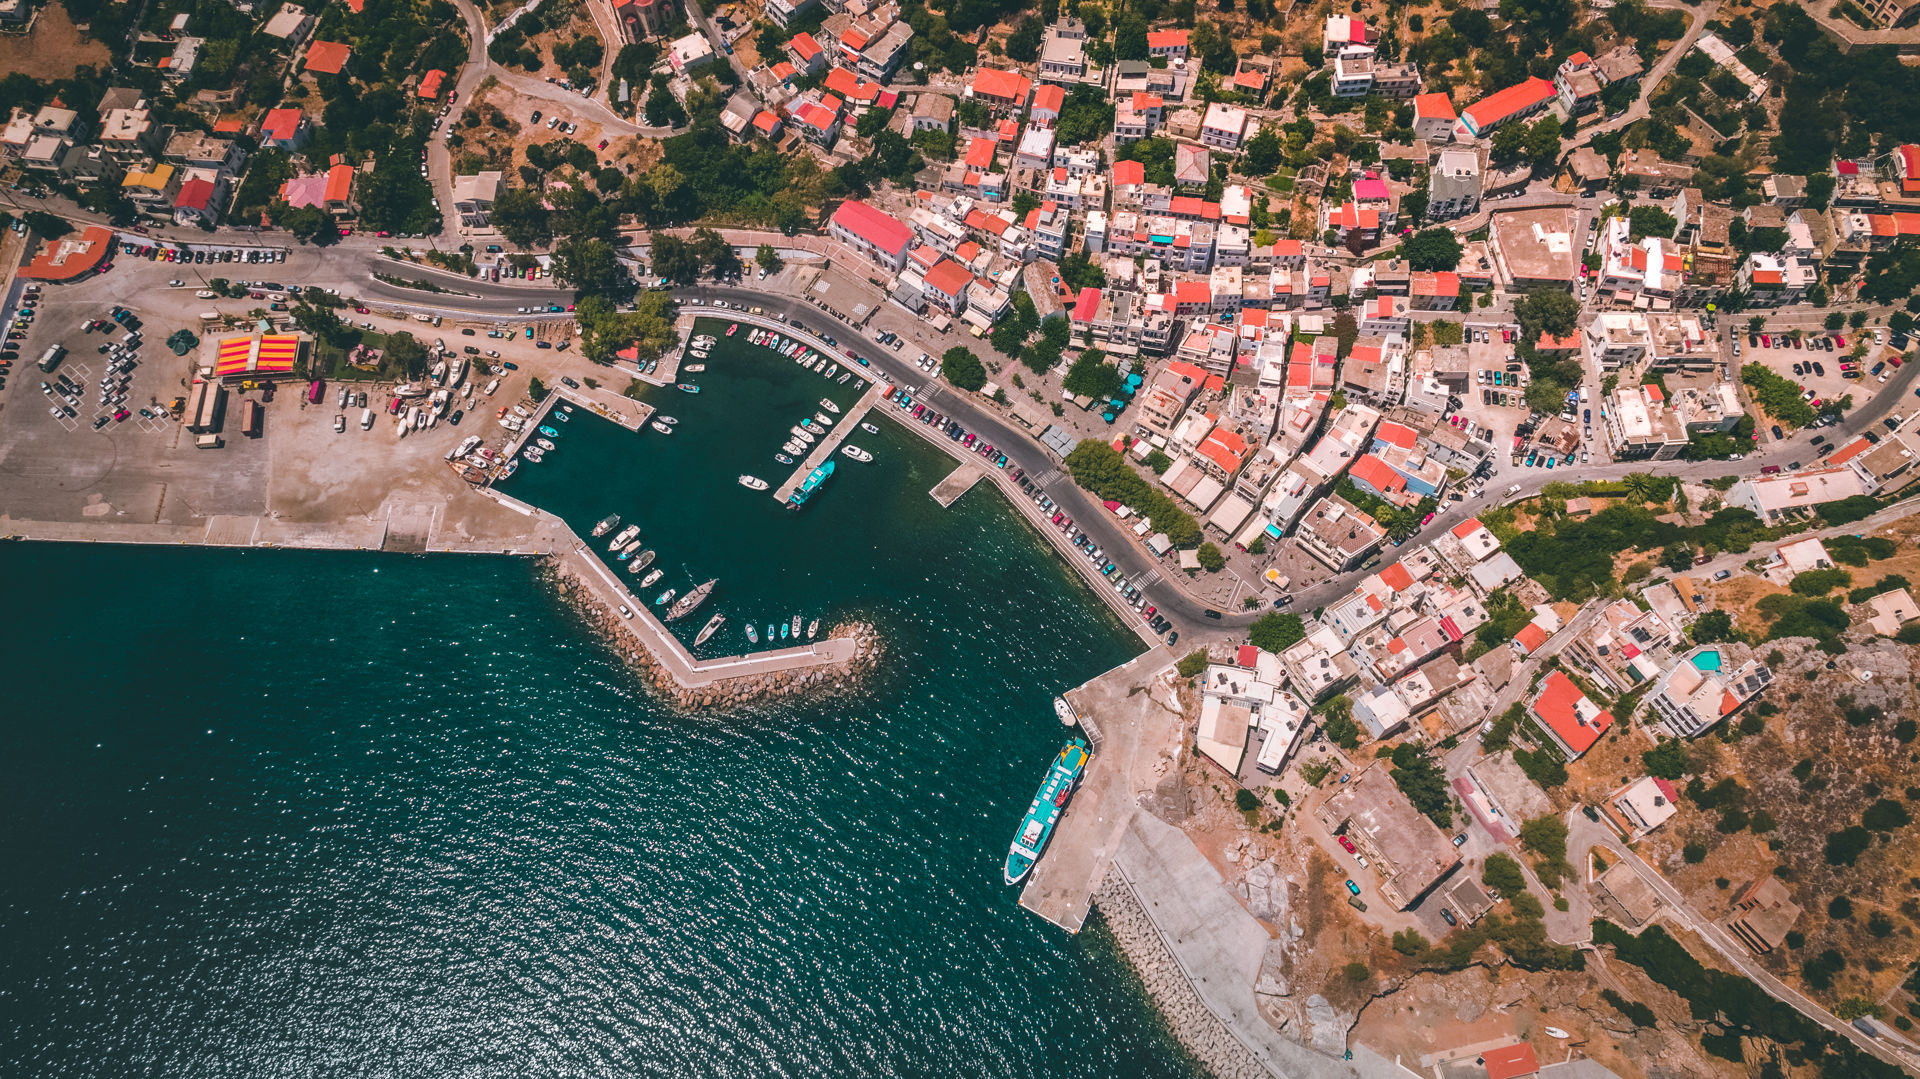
x: 829, y: 442
x: 957, y: 483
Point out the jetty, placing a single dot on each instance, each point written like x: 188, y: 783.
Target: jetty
x: 957, y: 483
x: 829, y: 442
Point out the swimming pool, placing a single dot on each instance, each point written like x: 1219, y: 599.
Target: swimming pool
x: 1708, y: 661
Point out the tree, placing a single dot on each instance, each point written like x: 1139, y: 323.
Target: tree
x: 675, y: 259
x: 963, y: 369
x: 591, y: 265
x: 1844, y: 847
x: 1668, y: 760
x: 1432, y: 249
x: 1024, y: 43
x: 405, y: 353
x: 1711, y: 626
x: 768, y: 258
x: 47, y: 225
x: 1337, y: 721
x: 1502, y: 874
x: 522, y: 217
x: 1092, y: 376
x: 1210, y: 558
x: 1546, y: 311
x: 1648, y: 219
x: 1276, y: 632
x: 1423, y: 782
x: 1834, y: 321
x: 1130, y: 38
x: 309, y: 224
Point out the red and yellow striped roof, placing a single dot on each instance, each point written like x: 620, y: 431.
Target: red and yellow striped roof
x: 256, y: 354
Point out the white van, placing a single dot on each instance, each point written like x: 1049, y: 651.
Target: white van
x: 366, y: 419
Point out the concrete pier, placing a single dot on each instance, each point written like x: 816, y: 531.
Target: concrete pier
x: 957, y: 483
x: 829, y: 442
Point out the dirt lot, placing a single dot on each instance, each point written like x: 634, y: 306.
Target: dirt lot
x: 53, y: 50
x: 504, y: 148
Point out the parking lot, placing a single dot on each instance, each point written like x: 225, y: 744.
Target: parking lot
x: 1823, y: 364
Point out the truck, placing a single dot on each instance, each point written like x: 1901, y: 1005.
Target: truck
x: 51, y: 358
x: 250, y: 419
x: 207, y: 442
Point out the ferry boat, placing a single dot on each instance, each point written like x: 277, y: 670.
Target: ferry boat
x: 1062, y: 777
x: 543, y: 444
x: 665, y: 597
x: 549, y: 431
x: 661, y: 427
x: 783, y: 458
x: 732, y: 326
x: 625, y: 535
x: 753, y: 483
x: 811, y: 484
x: 753, y: 635
x: 642, y: 560
x: 685, y: 605
x: 649, y: 579
x: 857, y: 454
x: 686, y: 387
x: 1065, y: 711
x: 827, y: 403
x: 813, y: 627
x: 708, y: 629
x: 870, y: 428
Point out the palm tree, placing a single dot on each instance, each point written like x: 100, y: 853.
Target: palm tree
x: 1641, y: 486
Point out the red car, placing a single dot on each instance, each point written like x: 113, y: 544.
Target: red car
x: 1895, y: 360
x: 359, y: 310
x: 1347, y: 845
x: 1148, y: 613
x: 121, y: 414
x: 1766, y: 341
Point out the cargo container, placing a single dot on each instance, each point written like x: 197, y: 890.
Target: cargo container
x: 250, y: 419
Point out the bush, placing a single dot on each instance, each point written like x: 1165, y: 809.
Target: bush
x: 1503, y: 874
x: 1100, y: 469
x: 1818, y: 582
x: 1355, y: 972
x: 1668, y: 760
x: 1275, y: 632
x: 1245, y: 800
x: 1846, y: 846
x: 1840, y: 908
x: 1885, y: 815
x: 1694, y: 852
x: 1192, y: 663
x: 1639, y: 1014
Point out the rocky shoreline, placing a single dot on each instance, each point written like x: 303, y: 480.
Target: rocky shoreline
x: 822, y: 679
x: 1192, y: 1023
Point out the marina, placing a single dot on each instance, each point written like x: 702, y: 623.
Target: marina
x: 822, y: 451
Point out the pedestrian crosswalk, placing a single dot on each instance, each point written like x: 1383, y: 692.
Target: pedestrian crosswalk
x: 1051, y: 475
x: 1150, y: 577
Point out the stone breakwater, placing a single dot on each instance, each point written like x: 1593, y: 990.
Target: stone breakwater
x: 1192, y: 1023
x: 724, y: 692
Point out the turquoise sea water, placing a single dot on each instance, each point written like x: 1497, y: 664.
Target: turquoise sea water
x: 278, y: 813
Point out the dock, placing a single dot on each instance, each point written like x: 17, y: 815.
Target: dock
x: 957, y: 483
x: 831, y: 441
x: 1131, y: 730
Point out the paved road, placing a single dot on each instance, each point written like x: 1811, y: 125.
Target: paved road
x: 1651, y: 80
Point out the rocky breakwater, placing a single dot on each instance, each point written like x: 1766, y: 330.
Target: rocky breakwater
x: 726, y: 692
x: 1192, y: 1023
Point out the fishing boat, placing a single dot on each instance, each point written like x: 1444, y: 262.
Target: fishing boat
x: 543, y: 444
x: 670, y: 421
x: 753, y: 483
x: 647, y: 581
x: 870, y: 428
x: 811, y: 484
x: 1062, y: 777
x: 857, y: 454
x: 753, y: 635
x: 811, y: 427
x: 685, y: 605
x: 661, y: 427
x: 705, y: 340
x: 813, y: 627
x: 801, y: 434
x: 665, y: 597
x: 796, y: 625
x: 1065, y: 711
x: 564, y: 416
x: 686, y: 387
x: 732, y: 326
x: 827, y: 403
x: 626, y: 535
x: 642, y: 560
x: 549, y: 431
x: 783, y: 458
x: 700, y: 352
x: 833, y: 370
x: 694, y: 368
x: 512, y: 467
x: 783, y: 631
x: 708, y: 629
x: 532, y: 453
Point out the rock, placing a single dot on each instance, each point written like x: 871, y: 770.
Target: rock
x: 1266, y: 892
x: 1326, y: 1026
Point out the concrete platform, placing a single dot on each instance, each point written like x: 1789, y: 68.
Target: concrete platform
x: 957, y: 483
x: 1126, y: 719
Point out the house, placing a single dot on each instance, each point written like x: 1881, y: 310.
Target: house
x: 1889, y: 611
x: 1006, y: 91
x: 1769, y: 497
x: 1336, y: 534
x: 946, y: 286
x: 473, y: 196
x: 875, y: 234
x: 1063, y: 51
x: 1516, y: 1061
x: 689, y: 53
x: 327, y: 57
x: 1433, y: 118
x: 1505, y: 106
x: 1048, y: 100
x: 1569, y: 718
x: 1225, y: 126
x: 806, y: 53
x: 1534, y: 248
x: 1406, y: 851
x: 1344, y: 32
x: 1578, y: 83
x: 1454, y: 184
x: 285, y: 129
x: 430, y: 85
x: 1438, y: 290
x: 1171, y: 44
x: 1699, y: 690
x: 1762, y: 913
x: 127, y: 134
x: 1643, y: 805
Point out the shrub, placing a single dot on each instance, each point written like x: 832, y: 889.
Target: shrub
x: 1192, y: 663
x: 1840, y: 908
x: 1694, y: 852
x: 1639, y: 1014
x: 1503, y: 873
x: 1846, y: 845
x: 1275, y: 632
x: 1818, y: 582
x: 1885, y: 815
x: 1245, y: 800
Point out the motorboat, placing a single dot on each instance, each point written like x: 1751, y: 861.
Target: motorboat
x: 796, y: 625
x: 813, y: 627
x: 665, y: 597
x: 770, y: 633
x: 833, y: 370
x: 642, y: 560
x: 607, y: 524
x: 783, y: 631
x: 549, y: 431
x: 670, y: 421
x: 700, y: 352
x: 823, y: 420
x: 801, y: 434
x: 809, y: 426
x: 686, y: 387
x: 439, y: 372
x: 694, y: 368
x: 753, y: 635
x: 783, y: 458
x: 732, y: 326
x: 708, y: 630
x: 870, y: 428
x: 648, y: 580
x: 544, y: 444
x: 625, y: 537
x: 533, y: 454
x: 565, y: 416
x: 827, y: 403
x: 857, y: 454
x: 565, y: 409
x: 661, y: 427
x: 753, y: 483
x: 844, y: 376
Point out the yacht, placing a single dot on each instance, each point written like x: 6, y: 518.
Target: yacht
x: 802, y: 435
x: 650, y: 578
x: 668, y: 420
x: 857, y: 454
x: 661, y: 427
x: 827, y: 403
x: 626, y: 535
x: 753, y: 483
x: 823, y: 419
x: 708, y: 630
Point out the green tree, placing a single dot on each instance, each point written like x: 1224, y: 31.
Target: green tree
x: 1337, y: 720
x: 1091, y: 376
x: 963, y: 369
x: 1503, y: 874
x: 1432, y: 249
x: 1210, y: 558
x: 1276, y: 632
x: 674, y: 259
x: 768, y: 258
x: 1422, y: 780
x: 522, y: 217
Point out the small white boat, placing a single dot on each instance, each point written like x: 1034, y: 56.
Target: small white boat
x: 844, y: 376
x: 753, y: 483
x: 828, y: 404
x: 623, y: 537
x: 802, y: 435
x: 857, y: 454
x: 823, y: 419
x: 870, y: 428
x: 661, y: 427
x: 1065, y: 711
x: 670, y: 421
x: 833, y: 370
x: 532, y: 454
x: 794, y: 445
x: 813, y: 627
x: 700, y: 352
x: 650, y: 578
x: 543, y: 444
x: 695, y: 368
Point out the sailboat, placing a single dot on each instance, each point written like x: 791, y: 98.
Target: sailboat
x: 708, y: 630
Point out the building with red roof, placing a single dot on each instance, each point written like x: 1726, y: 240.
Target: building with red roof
x: 947, y: 283
x: 1516, y: 102
x: 1171, y: 44
x: 430, y: 84
x: 1515, y: 1061
x: 1569, y: 718
x: 1433, y: 117
x: 1000, y: 89
x: 980, y: 153
x: 1375, y: 477
x: 1129, y: 174
x: 284, y: 129
x: 1435, y: 290
x: 327, y: 57
x: 847, y: 85
x: 880, y: 237
x: 767, y: 124
x: 1048, y: 100
x: 806, y: 52
x: 71, y: 258
x: 194, y: 202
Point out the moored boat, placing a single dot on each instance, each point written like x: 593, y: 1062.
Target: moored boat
x: 813, y: 627
x: 694, y: 368
x: 827, y: 403
x: 707, y: 630
x: 543, y: 444
x: 857, y: 453
x: 844, y: 376
x: 823, y: 419
x: 665, y: 597
x: 1044, y: 813
x: 732, y: 326
x: 607, y: 524
x: 783, y: 631
x: 686, y: 387
x: 685, y: 605
x: 801, y: 434
x: 626, y: 535
x: 661, y: 427
x: 783, y: 458
x: 796, y: 625
x: 670, y: 421
x: 753, y: 483
x: 753, y: 635
x: 870, y: 428
x: 549, y: 431
x: 811, y: 484
x: 649, y: 579
x: 1065, y: 711
x: 565, y: 416
x: 532, y: 453
x: 642, y: 560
